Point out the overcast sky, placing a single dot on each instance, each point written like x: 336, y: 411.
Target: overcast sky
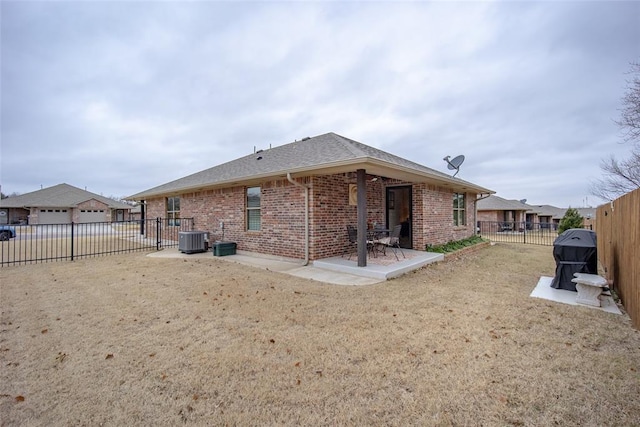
x: 119, y: 97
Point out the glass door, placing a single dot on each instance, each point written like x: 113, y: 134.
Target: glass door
x: 399, y: 212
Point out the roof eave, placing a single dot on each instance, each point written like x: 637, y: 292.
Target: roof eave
x: 412, y: 175
x: 371, y: 165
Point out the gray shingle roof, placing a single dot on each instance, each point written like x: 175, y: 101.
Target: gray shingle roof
x: 495, y: 203
x: 59, y: 196
x: 552, y: 211
x: 587, y: 212
x: 558, y: 213
x: 306, y: 156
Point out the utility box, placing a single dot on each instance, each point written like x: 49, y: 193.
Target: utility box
x: 224, y: 248
x: 191, y: 242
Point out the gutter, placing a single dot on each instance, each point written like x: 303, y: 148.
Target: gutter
x: 306, y: 217
x: 475, y: 211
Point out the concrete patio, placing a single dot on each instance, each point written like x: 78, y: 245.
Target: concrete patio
x: 336, y: 270
x: 381, y: 267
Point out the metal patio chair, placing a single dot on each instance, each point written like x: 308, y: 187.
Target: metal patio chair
x: 393, y: 241
x: 352, y: 232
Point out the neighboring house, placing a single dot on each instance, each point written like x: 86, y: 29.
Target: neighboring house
x: 551, y: 215
x: 505, y: 212
x: 497, y: 209
x: 296, y: 200
x: 135, y: 213
x: 61, y: 204
x: 589, y: 215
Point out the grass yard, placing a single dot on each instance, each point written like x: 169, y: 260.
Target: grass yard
x: 133, y: 340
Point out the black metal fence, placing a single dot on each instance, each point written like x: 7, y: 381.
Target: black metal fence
x: 67, y: 242
x: 535, y: 233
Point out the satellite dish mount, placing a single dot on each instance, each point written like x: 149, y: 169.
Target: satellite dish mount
x: 455, y: 163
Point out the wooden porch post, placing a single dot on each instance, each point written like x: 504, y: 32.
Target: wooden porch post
x: 362, y: 218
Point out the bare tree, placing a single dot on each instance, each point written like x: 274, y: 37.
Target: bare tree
x: 630, y: 112
x: 621, y: 177
x: 5, y: 196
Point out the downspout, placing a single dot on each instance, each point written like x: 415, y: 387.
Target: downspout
x: 306, y: 217
x: 475, y: 212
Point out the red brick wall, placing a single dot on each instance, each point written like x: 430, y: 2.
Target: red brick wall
x: 331, y: 212
x: 282, y: 215
x: 434, y: 205
x: 91, y: 204
x: 517, y: 216
x: 492, y: 216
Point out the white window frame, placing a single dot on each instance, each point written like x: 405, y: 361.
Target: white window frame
x: 254, y: 216
x: 459, y: 209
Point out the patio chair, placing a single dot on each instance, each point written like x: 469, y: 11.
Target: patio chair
x: 393, y: 241
x: 352, y: 232
x: 506, y: 226
x: 375, y: 234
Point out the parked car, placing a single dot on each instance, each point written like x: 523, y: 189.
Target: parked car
x: 7, y: 232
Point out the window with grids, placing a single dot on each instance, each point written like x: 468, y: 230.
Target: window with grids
x: 459, y: 215
x: 253, y: 208
x: 173, y: 211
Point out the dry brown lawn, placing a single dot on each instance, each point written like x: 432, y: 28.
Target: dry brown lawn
x: 133, y: 340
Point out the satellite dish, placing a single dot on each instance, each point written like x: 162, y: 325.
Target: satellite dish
x: 455, y: 163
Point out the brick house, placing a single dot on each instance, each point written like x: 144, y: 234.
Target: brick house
x: 506, y: 213
x: 61, y: 204
x: 498, y: 210
x: 549, y: 215
x: 296, y: 200
x: 552, y: 215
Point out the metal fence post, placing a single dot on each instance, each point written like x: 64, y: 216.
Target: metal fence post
x: 158, y: 235
x: 72, y: 227
x: 524, y: 235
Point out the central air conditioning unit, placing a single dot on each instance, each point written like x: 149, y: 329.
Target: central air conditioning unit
x: 191, y: 242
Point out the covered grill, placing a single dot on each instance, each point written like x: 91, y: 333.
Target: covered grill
x: 575, y: 251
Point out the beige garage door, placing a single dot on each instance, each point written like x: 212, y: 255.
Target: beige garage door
x: 54, y: 216
x: 92, y: 215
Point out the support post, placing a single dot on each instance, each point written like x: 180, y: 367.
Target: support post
x: 362, y: 217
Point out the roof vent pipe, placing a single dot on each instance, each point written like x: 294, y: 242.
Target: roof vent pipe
x: 306, y: 216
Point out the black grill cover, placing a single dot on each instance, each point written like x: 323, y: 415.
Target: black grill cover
x: 575, y: 251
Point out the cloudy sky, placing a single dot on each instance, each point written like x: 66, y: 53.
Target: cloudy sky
x: 119, y: 97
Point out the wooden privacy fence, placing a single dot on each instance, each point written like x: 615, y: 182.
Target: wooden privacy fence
x: 618, y: 225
